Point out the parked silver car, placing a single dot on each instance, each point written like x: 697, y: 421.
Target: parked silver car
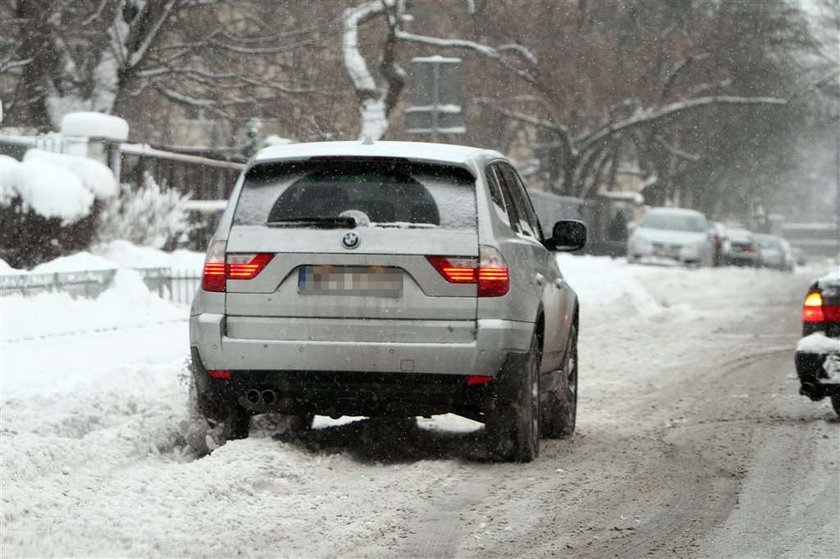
x: 672, y: 234
x: 388, y: 279
x: 774, y: 252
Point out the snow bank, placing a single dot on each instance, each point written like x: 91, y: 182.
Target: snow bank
x: 95, y: 176
x: 52, y: 191
x: 81, y: 261
x: 55, y: 185
x: 127, y: 303
x: 129, y: 255
x: 8, y: 178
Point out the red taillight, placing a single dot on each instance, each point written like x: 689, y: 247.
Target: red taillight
x: 489, y: 271
x: 812, y: 309
x: 246, y: 266
x: 213, y: 278
x: 219, y: 374
x: 474, y: 380
x: 219, y: 267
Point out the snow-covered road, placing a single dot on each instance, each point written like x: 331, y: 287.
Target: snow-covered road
x: 691, y: 441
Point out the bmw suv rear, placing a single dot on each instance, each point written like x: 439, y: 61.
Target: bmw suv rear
x: 387, y: 279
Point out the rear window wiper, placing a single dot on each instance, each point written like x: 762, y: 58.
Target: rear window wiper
x: 317, y: 222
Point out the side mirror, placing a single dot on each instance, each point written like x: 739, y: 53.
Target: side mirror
x: 568, y: 235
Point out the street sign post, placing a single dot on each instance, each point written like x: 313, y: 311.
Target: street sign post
x: 436, y: 97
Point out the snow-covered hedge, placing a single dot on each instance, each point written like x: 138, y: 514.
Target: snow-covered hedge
x: 49, y: 204
x: 148, y: 215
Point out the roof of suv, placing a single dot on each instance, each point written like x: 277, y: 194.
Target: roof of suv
x: 416, y: 151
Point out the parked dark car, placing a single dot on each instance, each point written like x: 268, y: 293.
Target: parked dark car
x: 818, y: 352
x: 740, y: 248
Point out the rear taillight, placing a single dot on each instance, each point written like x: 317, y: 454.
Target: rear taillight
x: 220, y: 267
x: 812, y: 309
x: 493, y: 273
x: 246, y: 266
x: 213, y: 278
x: 489, y: 271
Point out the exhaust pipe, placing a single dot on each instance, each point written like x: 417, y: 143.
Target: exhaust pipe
x: 253, y: 396
x: 269, y: 397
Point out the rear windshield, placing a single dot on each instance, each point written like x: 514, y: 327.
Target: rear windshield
x: 674, y: 222
x: 374, y: 193
x: 768, y: 242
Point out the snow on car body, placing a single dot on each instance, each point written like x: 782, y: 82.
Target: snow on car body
x: 387, y: 278
x: 818, y: 352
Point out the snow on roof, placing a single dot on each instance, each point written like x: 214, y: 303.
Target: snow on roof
x: 95, y: 125
x: 832, y: 278
x: 416, y: 151
x: 674, y: 211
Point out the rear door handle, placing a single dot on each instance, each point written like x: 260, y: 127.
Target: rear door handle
x: 540, y: 279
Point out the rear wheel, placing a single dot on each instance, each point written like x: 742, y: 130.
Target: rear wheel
x: 513, y: 426
x: 559, y: 412
x: 835, y: 403
x: 236, y: 424
x: 211, y: 424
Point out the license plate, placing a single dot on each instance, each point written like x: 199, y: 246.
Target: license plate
x: 369, y: 281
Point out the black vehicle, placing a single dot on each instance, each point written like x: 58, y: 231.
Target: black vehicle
x: 818, y: 352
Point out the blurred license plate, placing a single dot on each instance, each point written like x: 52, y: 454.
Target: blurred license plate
x: 371, y: 281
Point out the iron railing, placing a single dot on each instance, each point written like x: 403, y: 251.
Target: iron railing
x: 177, y: 286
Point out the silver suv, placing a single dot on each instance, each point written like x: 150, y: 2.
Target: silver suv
x: 387, y: 279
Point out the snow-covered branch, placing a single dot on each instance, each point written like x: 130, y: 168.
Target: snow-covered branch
x: 653, y: 114
x: 673, y: 150
x: 372, y: 103
x: 561, y: 132
x: 676, y: 70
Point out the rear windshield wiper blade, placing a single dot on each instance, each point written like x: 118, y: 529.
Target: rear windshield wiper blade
x: 317, y: 222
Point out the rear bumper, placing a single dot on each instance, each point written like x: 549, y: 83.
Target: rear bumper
x: 814, y: 381
x: 483, y: 355
x: 741, y: 259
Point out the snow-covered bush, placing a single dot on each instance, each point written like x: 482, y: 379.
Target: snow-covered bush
x: 149, y: 215
x: 49, y: 204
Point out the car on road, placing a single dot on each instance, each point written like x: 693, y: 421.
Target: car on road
x: 718, y: 232
x: 672, y: 234
x: 818, y: 352
x: 741, y: 248
x: 774, y: 252
x: 388, y: 279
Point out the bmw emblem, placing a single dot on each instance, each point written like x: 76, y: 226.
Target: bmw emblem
x: 351, y: 240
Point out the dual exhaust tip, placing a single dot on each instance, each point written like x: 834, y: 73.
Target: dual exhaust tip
x: 267, y: 396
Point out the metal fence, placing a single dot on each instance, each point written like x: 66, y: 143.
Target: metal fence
x: 177, y: 286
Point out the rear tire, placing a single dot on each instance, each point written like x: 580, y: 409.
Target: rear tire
x: 559, y: 412
x: 237, y: 423
x: 835, y: 403
x: 513, y: 426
